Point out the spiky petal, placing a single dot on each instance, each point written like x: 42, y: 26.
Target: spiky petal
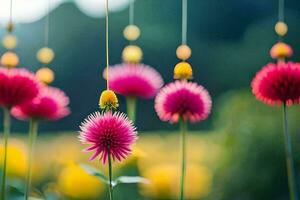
x: 108, y: 134
x: 278, y: 83
x: 135, y: 80
x: 50, y: 104
x: 182, y: 99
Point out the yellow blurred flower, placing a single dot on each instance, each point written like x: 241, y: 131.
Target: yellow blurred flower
x: 16, y: 158
x: 164, y: 181
x: 75, y: 182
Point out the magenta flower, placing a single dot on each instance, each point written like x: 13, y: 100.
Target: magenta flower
x: 278, y: 83
x: 17, y: 86
x: 136, y: 80
x: 183, y: 99
x: 50, y: 104
x: 108, y: 134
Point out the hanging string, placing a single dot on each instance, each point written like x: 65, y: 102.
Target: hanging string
x: 131, y: 12
x: 184, y: 21
x: 47, y: 25
x: 10, y: 11
x: 281, y: 10
x: 107, y: 50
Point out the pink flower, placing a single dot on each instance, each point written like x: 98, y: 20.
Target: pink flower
x: 136, y: 80
x: 17, y: 86
x: 50, y: 104
x: 183, y: 99
x: 108, y: 133
x: 278, y: 83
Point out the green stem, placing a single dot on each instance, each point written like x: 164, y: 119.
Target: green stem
x: 110, y: 189
x: 289, y: 157
x: 6, y: 132
x: 183, y: 129
x: 33, y: 131
x: 131, y: 107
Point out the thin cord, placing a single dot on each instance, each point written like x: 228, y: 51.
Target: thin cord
x: 47, y: 25
x: 131, y: 12
x: 184, y: 21
x: 281, y: 10
x: 107, y: 53
x: 10, y: 11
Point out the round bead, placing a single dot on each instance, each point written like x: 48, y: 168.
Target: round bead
x: 132, y: 54
x: 45, y: 75
x: 281, y: 50
x: 9, y: 59
x: 131, y: 32
x: 281, y: 28
x: 183, y: 52
x: 10, y: 41
x: 183, y: 70
x: 45, y: 55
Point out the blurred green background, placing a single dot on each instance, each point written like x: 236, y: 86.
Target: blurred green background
x: 237, y: 155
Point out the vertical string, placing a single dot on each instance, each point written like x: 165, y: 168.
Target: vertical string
x: 281, y: 10
x: 107, y: 50
x: 10, y: 11
x: 131, y: 12
x: 47, y: 25
x: 184, y: 21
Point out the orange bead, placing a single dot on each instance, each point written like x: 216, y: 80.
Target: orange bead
x: 131, y: 32
x: 281, y: 28
x: 9, y: 59
x: 45, y: 55
x: 183, y: 52
x: 9, y: 41
x: 45, y: 75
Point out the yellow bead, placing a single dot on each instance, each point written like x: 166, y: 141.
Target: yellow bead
x: 9, y: 59
x: 183, y: 70
x: 132, y: 54
x: 9, y: 41
x: 45, y: 55
x: 45, y: 75
x: 183, y: 52
x: 108, y: 100
x: 131, y: 32
x: 281, y: 28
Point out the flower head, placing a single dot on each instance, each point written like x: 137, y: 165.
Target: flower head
x: 50, y: 104
x: 278, y: 83
x: 183, y: 70
x: 183, y: 99
x: 17, y: 86
x: 134, y: 80
x: 109, y: 134
x: 108, y: 100
x: 281, y: 50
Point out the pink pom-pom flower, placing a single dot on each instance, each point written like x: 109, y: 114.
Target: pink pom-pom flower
x: 278, y: 83
x: 108, y: 134
x: 182, y: 99
x: 17, y: 86
x: 136, y: 80
x: 50, y: 104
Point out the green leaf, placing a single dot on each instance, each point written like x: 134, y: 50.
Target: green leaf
x: 129, y: 180
x: 94, y: 172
